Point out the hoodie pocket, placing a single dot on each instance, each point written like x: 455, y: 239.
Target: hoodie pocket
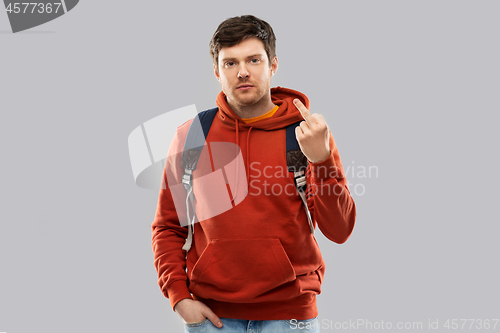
x: 240, y: 270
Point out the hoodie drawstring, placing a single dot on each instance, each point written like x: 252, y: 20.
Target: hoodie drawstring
x: 247, y: 166
x: 248, y: 156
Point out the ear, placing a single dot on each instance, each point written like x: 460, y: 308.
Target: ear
x: 216, y: 73
x: 274, y: 66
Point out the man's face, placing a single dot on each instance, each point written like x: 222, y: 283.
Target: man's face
x: 245, y: 73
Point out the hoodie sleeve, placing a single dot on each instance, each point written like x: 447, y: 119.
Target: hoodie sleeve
x: 168, y: 236
x: 329, y: 198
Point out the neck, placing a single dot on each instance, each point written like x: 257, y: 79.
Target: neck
x: 249, y: 111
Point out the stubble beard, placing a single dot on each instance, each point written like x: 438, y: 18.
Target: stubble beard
x: 240, y: 98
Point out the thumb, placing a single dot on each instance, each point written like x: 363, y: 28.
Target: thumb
x: 207, y: 312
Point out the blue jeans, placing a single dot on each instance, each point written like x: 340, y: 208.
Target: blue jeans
x: 255, y: 326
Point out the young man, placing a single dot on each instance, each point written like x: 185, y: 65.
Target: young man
x: 256, y: 266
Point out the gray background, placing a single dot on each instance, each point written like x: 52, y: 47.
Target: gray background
x: 410, y: 87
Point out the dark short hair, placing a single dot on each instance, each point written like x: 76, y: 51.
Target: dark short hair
x: 236, y: 29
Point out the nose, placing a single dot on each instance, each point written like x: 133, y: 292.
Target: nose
x: 243, y: 72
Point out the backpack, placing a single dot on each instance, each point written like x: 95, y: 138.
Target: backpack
x: 195, y: 140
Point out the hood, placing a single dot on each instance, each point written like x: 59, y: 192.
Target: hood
x: 287, y: 113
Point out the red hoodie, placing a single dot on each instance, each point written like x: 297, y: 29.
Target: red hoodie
x: 257, y: 260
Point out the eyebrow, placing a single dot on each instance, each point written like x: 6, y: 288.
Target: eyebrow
x: 250, y: 56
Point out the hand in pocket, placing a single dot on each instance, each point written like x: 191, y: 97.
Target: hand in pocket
x: 192, y: 311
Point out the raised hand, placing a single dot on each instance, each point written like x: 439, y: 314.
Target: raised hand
x: 312, y: 134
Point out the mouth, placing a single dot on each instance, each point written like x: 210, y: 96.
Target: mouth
x: 244, y: 87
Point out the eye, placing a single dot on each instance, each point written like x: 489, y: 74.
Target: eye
x: 255, y: 61
x: 229, y: 64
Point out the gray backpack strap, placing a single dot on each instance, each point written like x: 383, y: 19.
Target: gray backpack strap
x: 297, y: 163
x: 195, y: 140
